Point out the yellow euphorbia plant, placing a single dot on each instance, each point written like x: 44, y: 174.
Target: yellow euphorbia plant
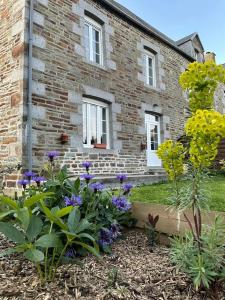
x: 204, y: 130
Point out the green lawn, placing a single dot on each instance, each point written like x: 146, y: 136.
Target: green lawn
x: 160, y: 193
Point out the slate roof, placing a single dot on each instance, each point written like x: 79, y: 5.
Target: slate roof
x: 134, y: 19
x: 189, y: 37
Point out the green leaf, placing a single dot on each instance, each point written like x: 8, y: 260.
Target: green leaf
x: 34, y: 255
x: 34, y: 228
x: 52, y: 217
x: 36, y: 198
x: 12, y: 233
x: 8, y: 201
x: 6, y: 213
x: 73, y: 220
x: 50, y: 240
x: 64, y: 211
x: 23, y: 215
x: 83, y: 225
x: 92, y: 250
x: 8, y: 252
x: 86, y: 235
x: 77, y: 184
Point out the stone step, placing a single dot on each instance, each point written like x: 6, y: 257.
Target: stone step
x: 135, y: 179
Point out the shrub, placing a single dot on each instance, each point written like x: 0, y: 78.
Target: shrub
x: 200, y: 254
x: 57, y: 218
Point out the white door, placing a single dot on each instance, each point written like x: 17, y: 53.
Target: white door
x: 152, y: 124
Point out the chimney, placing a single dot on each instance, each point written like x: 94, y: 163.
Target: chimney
x: 210, y: 56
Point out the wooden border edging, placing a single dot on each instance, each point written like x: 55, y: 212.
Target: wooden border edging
x: 168, y: 217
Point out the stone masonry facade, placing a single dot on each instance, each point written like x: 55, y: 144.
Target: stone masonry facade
x: 67, y: 77
x: 62, y: 77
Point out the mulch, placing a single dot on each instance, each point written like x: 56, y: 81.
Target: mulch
x: 141, y: 274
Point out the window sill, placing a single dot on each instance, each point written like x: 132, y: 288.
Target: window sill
x: 97, y: 150
x: 94, y: 64
x: 154, y: 88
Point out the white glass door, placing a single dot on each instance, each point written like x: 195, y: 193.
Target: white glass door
x: 152, y: 124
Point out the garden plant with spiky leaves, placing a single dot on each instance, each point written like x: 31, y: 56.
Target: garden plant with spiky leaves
x: 205, y: 128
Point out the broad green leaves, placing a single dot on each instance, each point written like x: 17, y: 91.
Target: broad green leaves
x: 12, y: 233
x: 34, y: 228
x: 34, y: 255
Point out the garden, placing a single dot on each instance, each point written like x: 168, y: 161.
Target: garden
x: 66, y: 237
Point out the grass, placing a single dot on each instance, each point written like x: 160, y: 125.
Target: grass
x: 161, y: 192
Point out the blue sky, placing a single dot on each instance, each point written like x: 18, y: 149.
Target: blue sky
x: 178, y: 18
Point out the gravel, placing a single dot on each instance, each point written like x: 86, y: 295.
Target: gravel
x: 132, y: 271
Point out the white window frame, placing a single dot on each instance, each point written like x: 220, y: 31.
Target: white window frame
x: 93, y: 24
x: 99, y: 105
x: 152, y: 56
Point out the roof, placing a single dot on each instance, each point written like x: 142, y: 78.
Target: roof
x: 134, y: 19
x: 223, y: 65
x: 189, y: 37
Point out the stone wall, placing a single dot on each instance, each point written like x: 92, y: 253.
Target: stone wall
x: 62, y: 76
x: 12, y: 80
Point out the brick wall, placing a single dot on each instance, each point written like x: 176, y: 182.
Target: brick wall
x: 12, y: 79
x: 61, y: 76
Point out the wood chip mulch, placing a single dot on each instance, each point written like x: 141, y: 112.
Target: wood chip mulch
x: 141, y: 274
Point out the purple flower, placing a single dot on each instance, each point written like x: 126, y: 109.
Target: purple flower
x: 115, y: 231
x: 23, y: 182
x: 52, y: 154
x: 87, y: 165
x: 73, y: 201
x: 87, y: 177
x: 105, y: 238
x: 127, y: 187
x: 121, y: 177
x: 97, y: 186
x: 121, y: 203
x: 39, y: 180
x: 29, y: 175
x: 70, y: 253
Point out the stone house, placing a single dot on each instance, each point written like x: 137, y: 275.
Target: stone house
x: 92, y: 80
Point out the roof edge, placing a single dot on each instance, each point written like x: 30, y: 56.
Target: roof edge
x: 144, y: 26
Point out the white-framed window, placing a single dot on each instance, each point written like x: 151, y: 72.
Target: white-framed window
x: 95, y: 123
x: 150, y: 69
x: 93, y: 41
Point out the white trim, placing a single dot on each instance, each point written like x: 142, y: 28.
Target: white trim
x: 152, y: 56
x: 98, y: 105
x: 96, y: 26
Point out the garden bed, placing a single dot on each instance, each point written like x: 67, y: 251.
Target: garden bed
x: 169, y: 222
x: 142, y: 274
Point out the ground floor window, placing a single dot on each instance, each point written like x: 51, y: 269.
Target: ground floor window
x: 95, y: 123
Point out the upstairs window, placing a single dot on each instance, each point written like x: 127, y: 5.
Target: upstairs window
x: 93, y: 41
x: 150, y: 69
x: 95, y: 123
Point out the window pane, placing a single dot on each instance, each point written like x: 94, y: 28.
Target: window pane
x: 93, y: 129
x: 96, y: 35
x: 84, y: 123
x: 150, y: 81
x: 96, y: 45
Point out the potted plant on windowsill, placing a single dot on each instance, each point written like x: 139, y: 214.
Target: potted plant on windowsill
x: 100, y: 146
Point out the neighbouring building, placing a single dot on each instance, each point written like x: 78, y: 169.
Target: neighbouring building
x: 92, y: 80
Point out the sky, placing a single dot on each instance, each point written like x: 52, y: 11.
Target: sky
x: 179, y: 18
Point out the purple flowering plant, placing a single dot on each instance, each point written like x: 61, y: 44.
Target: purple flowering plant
x: 23, y: 183
x: 73, y: 201
x: 52, y: 155
x: 29, y: 175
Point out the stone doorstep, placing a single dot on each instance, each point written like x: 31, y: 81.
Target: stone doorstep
x: 135, y: 179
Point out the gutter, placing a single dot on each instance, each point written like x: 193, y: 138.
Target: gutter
x: 29, y: 100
